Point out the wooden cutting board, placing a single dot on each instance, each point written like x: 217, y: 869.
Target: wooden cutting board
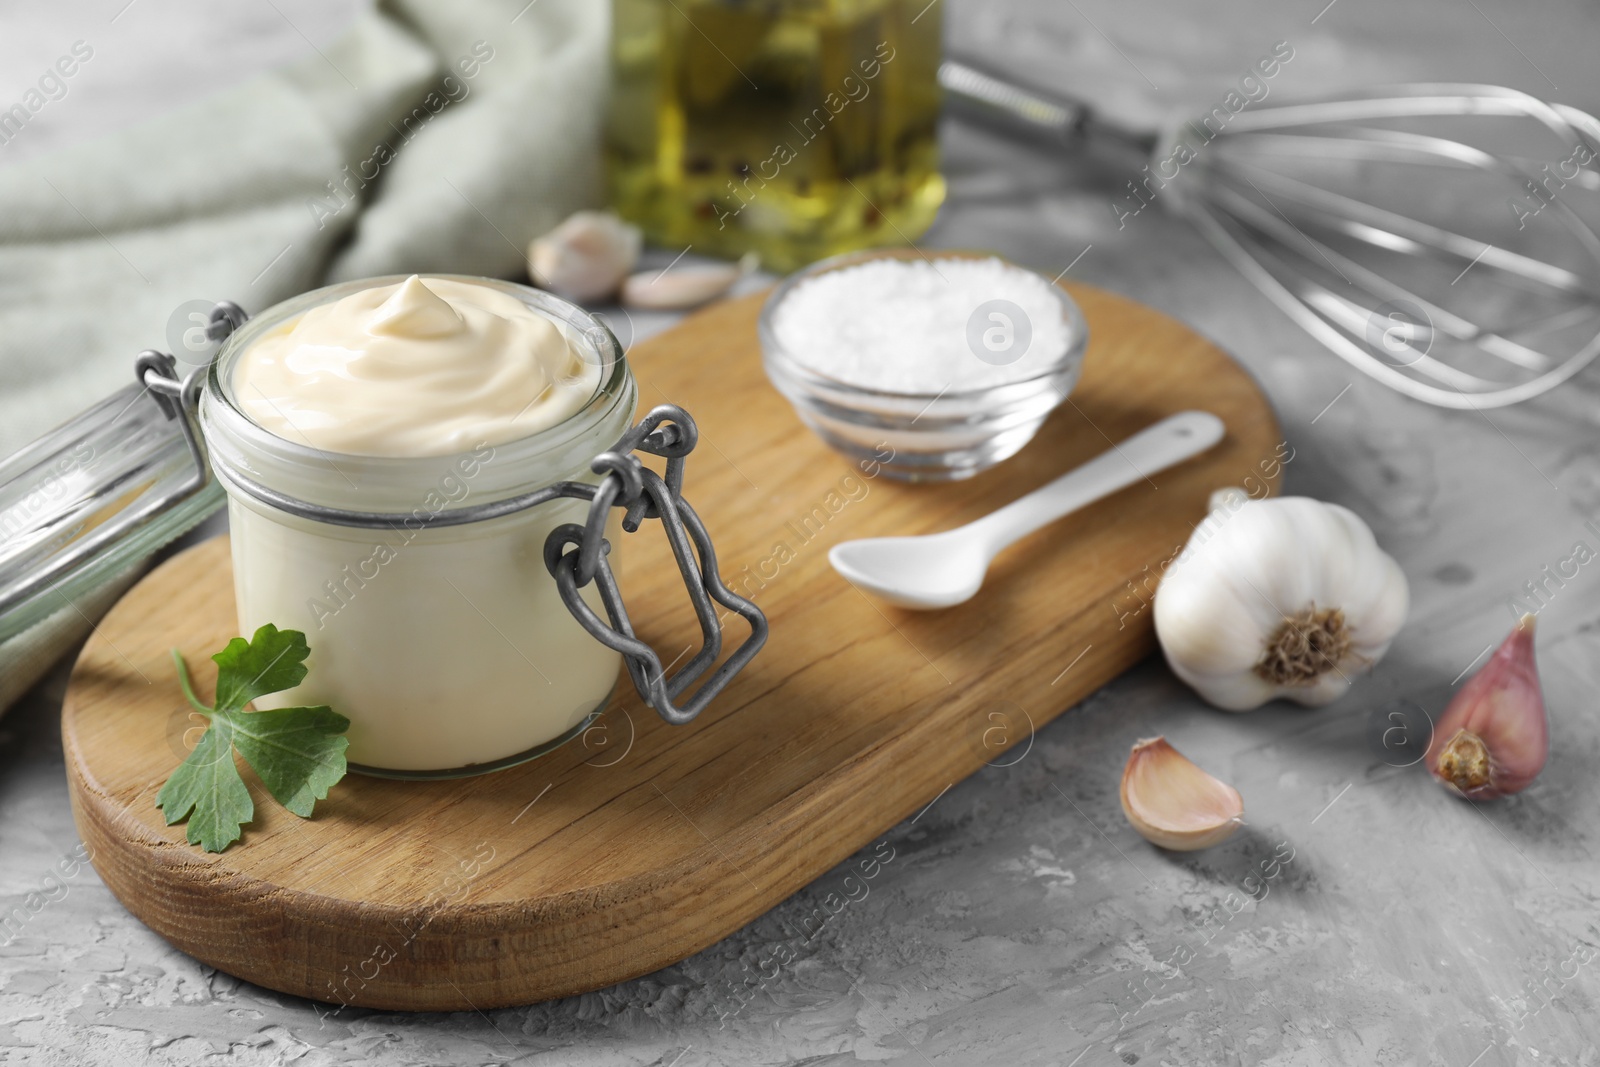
x: 641, y: 843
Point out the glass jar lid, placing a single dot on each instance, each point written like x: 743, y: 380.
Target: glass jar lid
x: 90, y: 499
x: 106, y: 489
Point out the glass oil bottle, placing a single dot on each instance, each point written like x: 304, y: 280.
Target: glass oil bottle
x: 797, y: 129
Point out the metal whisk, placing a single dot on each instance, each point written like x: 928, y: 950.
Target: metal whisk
x: 1351, y: 216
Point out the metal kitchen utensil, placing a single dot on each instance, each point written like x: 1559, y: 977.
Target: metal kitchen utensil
x: 1358, y: 266
x: 106, y: 489
x: 944, y: 569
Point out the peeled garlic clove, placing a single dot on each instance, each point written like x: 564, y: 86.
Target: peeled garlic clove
x: 677, y: 288
x: 1494, y: 737
x: 586, y: 258
x: 1173, y: 803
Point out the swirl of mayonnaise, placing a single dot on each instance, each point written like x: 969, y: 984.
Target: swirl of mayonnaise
x: 424, y: 367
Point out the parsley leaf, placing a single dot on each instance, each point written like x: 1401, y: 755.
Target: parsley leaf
x: 296, y: 752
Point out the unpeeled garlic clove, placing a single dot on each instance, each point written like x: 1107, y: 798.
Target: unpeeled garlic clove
x: 1173, y: 803
x: 1493, y: 738
x: 586, y: 258
x: 678, y: 288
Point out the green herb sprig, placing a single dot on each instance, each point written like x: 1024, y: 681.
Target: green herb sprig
x: 297, y: 753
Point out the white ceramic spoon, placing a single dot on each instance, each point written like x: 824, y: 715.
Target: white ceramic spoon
x: 944, y: 569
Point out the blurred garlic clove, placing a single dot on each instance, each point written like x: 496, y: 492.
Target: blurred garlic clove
x: 586, y: 258
x: 677, y: 288
x: 1173, y: 803
x: 1493, y: 738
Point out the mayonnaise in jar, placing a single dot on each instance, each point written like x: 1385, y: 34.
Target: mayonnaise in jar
x: 448, y: 647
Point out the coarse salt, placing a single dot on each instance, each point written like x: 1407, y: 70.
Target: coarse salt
x: 915, y: 326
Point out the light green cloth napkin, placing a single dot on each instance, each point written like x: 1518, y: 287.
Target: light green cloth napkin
x: 433, y: 136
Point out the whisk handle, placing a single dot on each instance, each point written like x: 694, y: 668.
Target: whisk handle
x: 1035, y: 115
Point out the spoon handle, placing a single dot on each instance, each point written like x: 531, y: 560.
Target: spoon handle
x: 1168, y: 442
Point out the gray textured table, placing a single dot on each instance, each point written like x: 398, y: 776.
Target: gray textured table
x: 1021, y: 921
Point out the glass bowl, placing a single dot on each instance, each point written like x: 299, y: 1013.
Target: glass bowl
x: 924, y: 436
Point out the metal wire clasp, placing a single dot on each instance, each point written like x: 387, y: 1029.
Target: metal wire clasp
x: 576, y: 555
x: 179, y: 397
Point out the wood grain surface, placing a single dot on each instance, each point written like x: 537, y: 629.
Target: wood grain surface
x: 643, y: 843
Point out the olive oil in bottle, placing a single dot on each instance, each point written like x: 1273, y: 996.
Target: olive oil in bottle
x: 794, y: 128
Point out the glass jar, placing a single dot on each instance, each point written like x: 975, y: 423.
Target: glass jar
x: 447, y: 646
x: 797, y: 129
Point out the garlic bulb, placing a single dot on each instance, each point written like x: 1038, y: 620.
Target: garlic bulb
x: 1287, y: 597
x: 586, y: 258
